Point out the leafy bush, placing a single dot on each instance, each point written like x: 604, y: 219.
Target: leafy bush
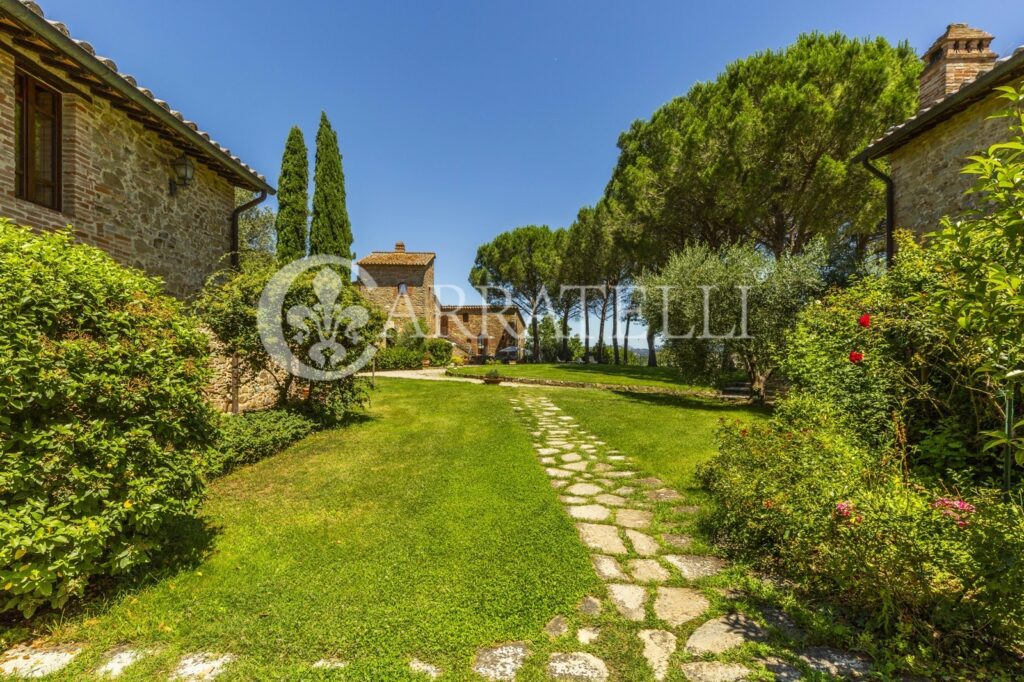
x: 252, y: 436
x: 440, y: 352
x: 229, y: 306
x: 802, y: 496
x: 104, y: 431
x: 396, y: 357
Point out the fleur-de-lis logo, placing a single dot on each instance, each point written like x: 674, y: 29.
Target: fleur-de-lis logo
x: 327, y: 323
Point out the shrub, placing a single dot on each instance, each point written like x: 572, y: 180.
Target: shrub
x: 104, y: 431
x: 801, y: 496
x: 396, y: 357
x: 440, y: 352
x: 252, y: 436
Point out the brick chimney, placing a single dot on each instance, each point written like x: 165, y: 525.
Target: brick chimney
x: 399, y: 247
x: 957, y: 57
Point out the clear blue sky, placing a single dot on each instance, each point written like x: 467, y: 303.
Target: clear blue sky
x: 459, y: 120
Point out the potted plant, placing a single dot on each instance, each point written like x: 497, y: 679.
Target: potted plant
x: 492, y: 377
x: 426, y: 361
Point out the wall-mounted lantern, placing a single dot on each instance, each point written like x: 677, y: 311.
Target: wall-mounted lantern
x: 184, y: 171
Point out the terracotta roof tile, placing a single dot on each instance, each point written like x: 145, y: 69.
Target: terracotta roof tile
x: 397, y: 258
x: 241, y: 168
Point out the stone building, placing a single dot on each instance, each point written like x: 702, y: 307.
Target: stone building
x: 403, y: 284
x: 957, y: 100
x: 84, y: 145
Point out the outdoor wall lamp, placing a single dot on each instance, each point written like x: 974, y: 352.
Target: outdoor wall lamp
x: 184, y: 171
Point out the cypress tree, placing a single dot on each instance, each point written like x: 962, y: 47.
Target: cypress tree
x: 292, y: 199
x: 330, y: 231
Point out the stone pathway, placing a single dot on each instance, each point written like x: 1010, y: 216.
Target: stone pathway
x: 653, y: 587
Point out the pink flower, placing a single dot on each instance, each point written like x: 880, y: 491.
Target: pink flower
x: 844, y: 509
x: 864, y: 320
x: 856, y: 356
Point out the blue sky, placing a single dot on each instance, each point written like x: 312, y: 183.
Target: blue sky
x: 459, y: 120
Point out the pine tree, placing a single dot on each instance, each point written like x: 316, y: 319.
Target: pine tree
x: 330, y: 231
x: 293, y: 199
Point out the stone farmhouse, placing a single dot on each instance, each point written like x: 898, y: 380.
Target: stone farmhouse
x: 403, y: 285
x: 957, y: 100
x: 84, y: 145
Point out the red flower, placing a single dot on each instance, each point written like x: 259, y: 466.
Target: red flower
x: 856, y: 356
x: 864, y: 320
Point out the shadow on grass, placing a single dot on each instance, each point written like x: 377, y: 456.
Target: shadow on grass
x: 693, y: 402
x: 188, y: 543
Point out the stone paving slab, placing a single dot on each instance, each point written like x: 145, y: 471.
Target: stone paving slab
x: 659, y: 645
x: 201, y: 666
x: 418, y: 666
x: 644, y: 545
x: 500, y: 662
x: 633, y: 518
x: 602, y: 538
x: 607, y: 568
x: 37, y: 661
x: 724, y: 633
x: 648, y: 571
x: 694, y: 567
x: 678, y: 605
x: 629, y: 600
x: 589, y: 512
x: 841, y: 664
x: 713, y: 671
x: 578, y: 666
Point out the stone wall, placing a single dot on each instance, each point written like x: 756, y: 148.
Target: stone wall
x: 466, y: 327
x: 115, y: 190
x: 418, y: 302
x: 926, y: 170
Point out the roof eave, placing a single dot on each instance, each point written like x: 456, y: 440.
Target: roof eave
x: 979, y: 88
x: 58, y: 40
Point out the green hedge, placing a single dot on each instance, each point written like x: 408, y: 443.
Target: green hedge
x: 397, y: 357
x: 252, y: 436
x: 104, y: 430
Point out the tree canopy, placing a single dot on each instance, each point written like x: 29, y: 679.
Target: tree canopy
x: 763, y: 152
x: 293, y: 198
x: 330, y: 231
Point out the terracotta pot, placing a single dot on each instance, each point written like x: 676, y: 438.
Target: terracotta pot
x: 492, y: 380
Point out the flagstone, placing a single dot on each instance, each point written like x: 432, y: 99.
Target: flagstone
x: 418, y: 666
x: 648, y: 571
x: 578, y: 666
x: 571, y: 457
x: 591, y: 606
x: 783, y: 671
x: 611, y: 500
x: 556, y: 483
x: 617, y: 458
x: 633, y: 518
x: 601, y: 467
x: 724, y: 633
x: 664, y: 495
x: 33, y: 661
x: 659, y: 645
x: 201, y: 666
x: 677, y: 540
x: 620, y: 474
x: 573, y: 499
x: 607, y: 568
x: 629, y: 600
x: 694, y: 567
x: 576, y: 466
x: 556, y: 627
x: 841, y: 664
x: 548, y: 460
x: 547, y: 451
x: 330, y: 664
x: 500, y: 662
x: 714, y: 671
x: 588, y: 635
x: 625, y: 490
x: 601, y: 537
x: 119, y: 660
x: 644, y: 545
x: 651, y: 481
x: 677, y: 605
x: 583, y: 489
x: 589, y: 512
x: 558, y: 473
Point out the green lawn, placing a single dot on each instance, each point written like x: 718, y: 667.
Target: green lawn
x: 668, y: 436
x: 421, y: 532
x: 612, y: 375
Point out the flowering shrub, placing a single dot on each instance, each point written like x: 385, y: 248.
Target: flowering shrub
x: 104, y: 431
x: 802, y: 496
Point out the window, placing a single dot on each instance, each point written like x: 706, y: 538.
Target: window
x: 37, y: 141
x: 465, y: 317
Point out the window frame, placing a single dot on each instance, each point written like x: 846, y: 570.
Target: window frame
x: 25, y: 181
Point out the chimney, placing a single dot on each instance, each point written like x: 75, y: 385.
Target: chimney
x: 399, y: 247
x: 959, y: 56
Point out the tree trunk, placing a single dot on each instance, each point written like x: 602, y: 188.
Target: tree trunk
x: 536, y: 338
x: 625, y: 342
x: 565, y: 335
x: 600, y: 329
x: 615, y: 326
x: 586, y: 332
x: 652, y: 357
